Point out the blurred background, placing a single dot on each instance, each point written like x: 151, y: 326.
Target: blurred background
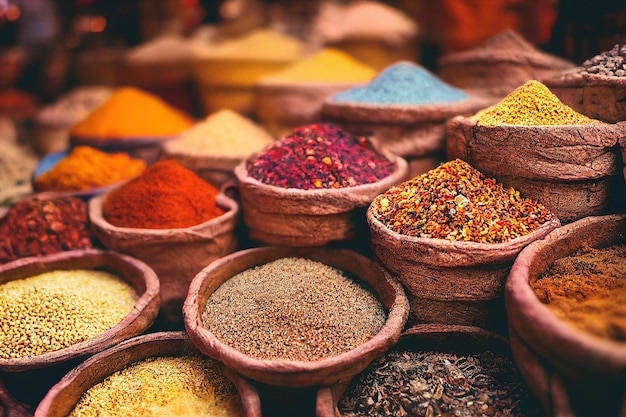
x: 47, y: 46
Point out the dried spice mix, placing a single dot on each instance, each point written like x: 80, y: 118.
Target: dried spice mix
x: 294, y: 309
x: 532, y: 104
x: 456, y: 202
x: 163, y: 387
x: 36, y: 227
x: 319, y: 156
x: 609, y: 63
x: 429, y: 384
x: 57, y: 309
x: 588, y: 290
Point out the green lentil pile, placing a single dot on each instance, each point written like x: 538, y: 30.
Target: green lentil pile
x: 163, y: 387
x: 294, y: 309
x: 532, y: 104
x: 456, y: 202
x: 57, y: 309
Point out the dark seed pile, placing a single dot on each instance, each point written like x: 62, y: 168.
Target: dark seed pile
x: 610, y: 63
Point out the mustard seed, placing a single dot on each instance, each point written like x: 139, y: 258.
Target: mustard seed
x: 294, y: 309
x: 163, y: 386
x: 57, y: 309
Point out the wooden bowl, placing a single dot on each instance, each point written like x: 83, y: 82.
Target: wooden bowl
x: 567, y: 368
x: 176, y: 255
x: 597, y: 96
x: 136, y: 273
x: 451, y: 282
x: 567, y: 168
x: 64, y: 396
x: 288, y: 373
x: 293, y: 217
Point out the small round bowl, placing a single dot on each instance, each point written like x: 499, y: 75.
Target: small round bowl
x: 63, y: 397
x: 287, y: 373
x: 566, y: 367
x: 136, y: 273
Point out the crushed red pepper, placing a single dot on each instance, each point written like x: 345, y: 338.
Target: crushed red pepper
x: 41, y: 227
x: 320, y: 156
x: 456, y: 202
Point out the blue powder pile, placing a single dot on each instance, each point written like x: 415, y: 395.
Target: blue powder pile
x: 403, y: 83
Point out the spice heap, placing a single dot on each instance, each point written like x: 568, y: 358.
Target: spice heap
x: 185, y: 386
x: 403, y: 83
x: 610, y: 63
x: 456, y: 202
x: 36, y: 227
x: 74, y: 106
x: 425, y: 384
x: 162, y: 49
x: 588, y: 290
x: 260, y: 44
x: 85, y: 168
x: 532, y: 104
x: 132, y: 113
x: 17, y: 164
x: 166, y: 196
x: 293, y: 309
x: 318, y: 156
x: 223, y: 133
x: 57, y: 309
x: 328, y: 65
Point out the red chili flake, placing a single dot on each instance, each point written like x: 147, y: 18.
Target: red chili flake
x: 41, y: 227
x: 319, y: 156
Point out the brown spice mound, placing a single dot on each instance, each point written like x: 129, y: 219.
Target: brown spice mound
x: 588, y: 290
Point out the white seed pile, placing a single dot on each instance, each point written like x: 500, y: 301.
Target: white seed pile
x: 294, y: 309
x: 57, y: 309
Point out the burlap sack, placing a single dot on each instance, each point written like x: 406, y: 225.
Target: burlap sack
x: 286, y: 373
x: 569, y: 168
x: 176, y: 255
x: 567, y: 369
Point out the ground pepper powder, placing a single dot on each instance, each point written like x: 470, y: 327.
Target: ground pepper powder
x: 456, y: 202
x: 532, y: 104
x: 588, y: 290
x: 85, y: 168
x: 166, y: 196
x: 318, y: 156
x: 37, y: 227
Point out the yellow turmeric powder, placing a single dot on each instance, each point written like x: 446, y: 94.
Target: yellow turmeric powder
x: 132, y: 113
x: 328, y: 65
x: 86, y: 168
x: 532, y: 104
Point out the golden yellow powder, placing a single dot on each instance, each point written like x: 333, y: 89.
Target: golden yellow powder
x: 54, y: 310
x: 85, y: 168
x: 260, y: 44
x: 223, y: 133
x: 163, y: 386
x: 532, y: 104
x: 131, y: 112
x: 328, y: 65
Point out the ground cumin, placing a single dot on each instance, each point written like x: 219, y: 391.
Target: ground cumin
x: 588, y: 290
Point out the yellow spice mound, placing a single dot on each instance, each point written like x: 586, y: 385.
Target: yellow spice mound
x: 532, y: 104
x: 260, y: 44
x: 328, y: 65
x: 131, y: 112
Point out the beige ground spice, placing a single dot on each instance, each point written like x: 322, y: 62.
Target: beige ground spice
x: 588, y: 290
x: 57, y: 309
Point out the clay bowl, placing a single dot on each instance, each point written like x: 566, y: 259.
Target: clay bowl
x: 567, y: 368
x: 31, y: 376
x: 64, y: 396
x: 569, y: 168
x: 293, y: 217
x: 455, y: 339
x: 597, y: 96
x: 176, y: 255
x: 286, y: 373
x: 450, y: 282
x: 283, y: 106
x: 414, y: 132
